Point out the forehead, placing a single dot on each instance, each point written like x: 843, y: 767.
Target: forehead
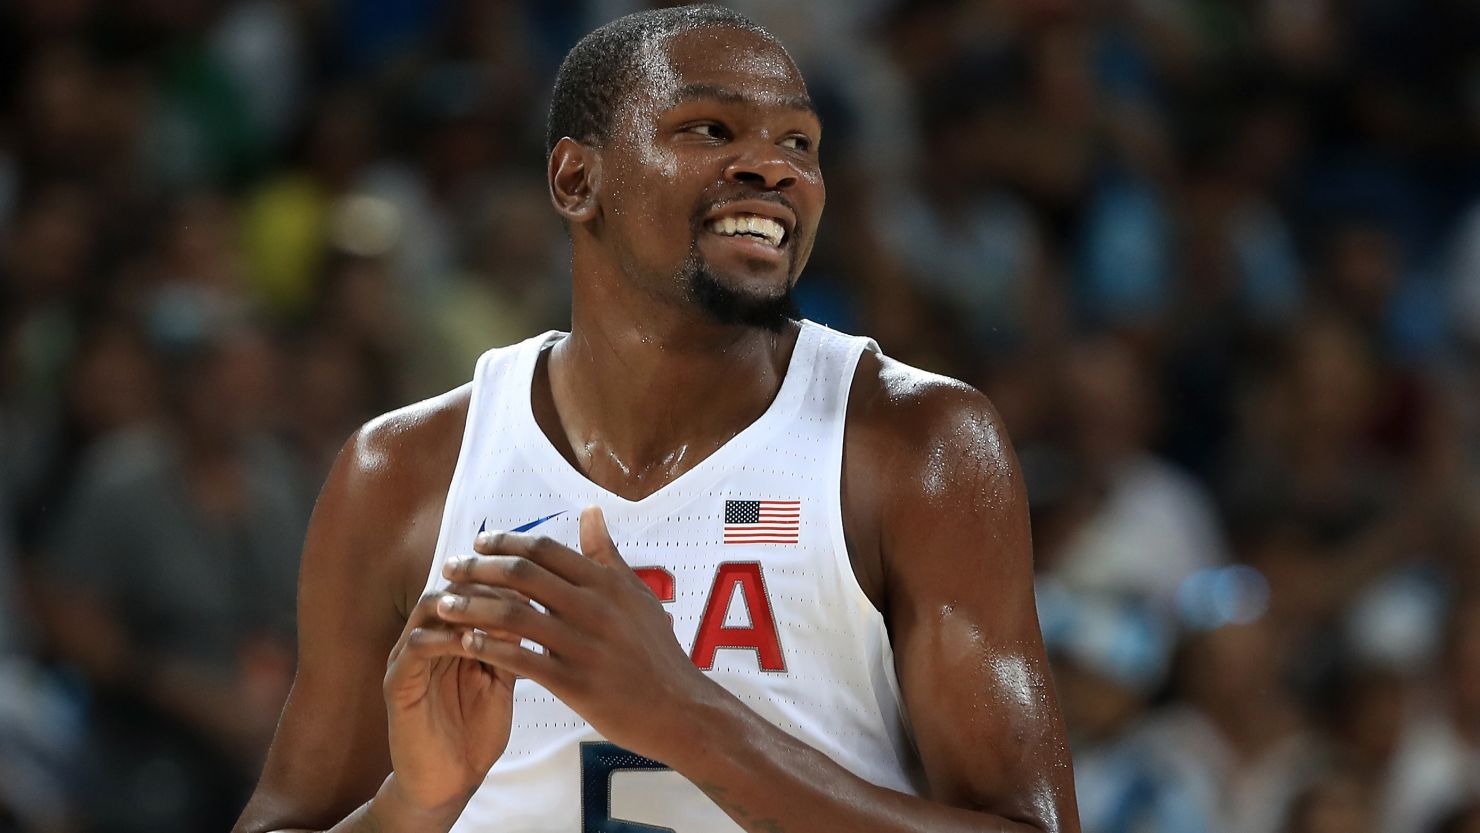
x: 692, y: 63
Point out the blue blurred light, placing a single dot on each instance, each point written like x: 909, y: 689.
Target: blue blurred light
x: 1213, y: 598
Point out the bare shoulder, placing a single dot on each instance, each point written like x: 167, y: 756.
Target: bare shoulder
x: 936, y: 428
x: 389, y: 486
x: 924, y: 454
x: 417, y: 440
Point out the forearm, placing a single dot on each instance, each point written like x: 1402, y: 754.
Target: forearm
x: 387, y: 812
x: 770, y: 782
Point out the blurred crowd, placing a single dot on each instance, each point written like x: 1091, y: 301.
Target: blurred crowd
x: 1217, y: 263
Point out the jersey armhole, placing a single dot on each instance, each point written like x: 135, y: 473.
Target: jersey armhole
x: 836, y: 527
x: 476, y: 396
x: 868, y: 611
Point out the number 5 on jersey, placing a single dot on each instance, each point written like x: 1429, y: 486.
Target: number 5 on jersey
x: 601, y: 760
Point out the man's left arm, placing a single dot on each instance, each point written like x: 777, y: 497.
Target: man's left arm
x: 956, y: 573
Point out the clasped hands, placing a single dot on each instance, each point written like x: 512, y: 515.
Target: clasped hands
x: 610, y: 651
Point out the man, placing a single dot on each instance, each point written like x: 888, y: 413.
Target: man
x: 828, y: 623
x: 182, y: 626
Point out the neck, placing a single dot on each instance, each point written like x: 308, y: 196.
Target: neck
x: 645, y: 388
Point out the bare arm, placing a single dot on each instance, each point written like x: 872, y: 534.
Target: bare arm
x: 368, y: 548
x: 954, y: 575
x: 329, y: 755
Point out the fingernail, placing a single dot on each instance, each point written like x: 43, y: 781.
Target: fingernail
x: 451, y: 566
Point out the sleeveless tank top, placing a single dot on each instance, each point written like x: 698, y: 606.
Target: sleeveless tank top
x: 746, y: 552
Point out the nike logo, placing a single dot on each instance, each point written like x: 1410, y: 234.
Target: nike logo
x: 483, y: 527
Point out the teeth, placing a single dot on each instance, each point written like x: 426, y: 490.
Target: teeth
x: 767, y: 228
x: 763, y: 227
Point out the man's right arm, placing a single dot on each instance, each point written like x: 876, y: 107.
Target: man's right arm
x: 367, y: 553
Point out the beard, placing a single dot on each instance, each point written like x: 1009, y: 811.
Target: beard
x: 727, y: 305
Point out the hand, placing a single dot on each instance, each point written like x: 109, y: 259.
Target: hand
x: 610, y: 650
x: 449, y: 714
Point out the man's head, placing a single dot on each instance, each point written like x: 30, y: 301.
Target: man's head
x: 683, y: 154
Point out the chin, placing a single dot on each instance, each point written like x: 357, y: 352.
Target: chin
x: 744, y: 301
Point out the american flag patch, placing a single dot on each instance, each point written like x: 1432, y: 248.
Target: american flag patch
x: 762, y: 521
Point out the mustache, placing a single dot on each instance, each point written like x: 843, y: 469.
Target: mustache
x: 736, y: 196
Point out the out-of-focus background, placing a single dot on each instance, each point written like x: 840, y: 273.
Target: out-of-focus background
x: 1216, y: 261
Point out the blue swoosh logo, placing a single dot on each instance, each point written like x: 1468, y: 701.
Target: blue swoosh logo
x: 483, y: 527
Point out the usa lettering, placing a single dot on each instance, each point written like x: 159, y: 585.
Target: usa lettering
x: 732, y: 579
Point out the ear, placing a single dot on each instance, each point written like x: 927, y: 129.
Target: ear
x: 575, y: 172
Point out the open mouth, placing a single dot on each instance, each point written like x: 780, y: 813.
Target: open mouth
x: 752, y: 226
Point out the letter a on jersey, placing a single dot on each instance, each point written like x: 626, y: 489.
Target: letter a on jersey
x: 759, y: 635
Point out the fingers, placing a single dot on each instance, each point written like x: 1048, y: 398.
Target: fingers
x: 418, y: 648
x: 453, y: 592
x: 424, y: 613
x: 468, y: 589
x: 425, y: 616
x: 542, y: 668
x: 422, y: 646
x: 544, y: 570
x: 499, y: 614
x: 432, y: 642
x: 596, y: 539
x: 538, y: 567
x: 550, y: 554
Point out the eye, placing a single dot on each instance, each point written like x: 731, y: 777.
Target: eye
x: 797, y: 143
x: 708, y: 129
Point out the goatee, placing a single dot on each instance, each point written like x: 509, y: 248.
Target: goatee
x: 730, y: 306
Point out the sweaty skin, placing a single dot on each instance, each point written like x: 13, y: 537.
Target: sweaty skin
x: 645, y: 387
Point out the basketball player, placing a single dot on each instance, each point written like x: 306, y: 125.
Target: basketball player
x: 694, y: 566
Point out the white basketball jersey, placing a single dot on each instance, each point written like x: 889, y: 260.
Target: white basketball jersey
x: 746, y: 552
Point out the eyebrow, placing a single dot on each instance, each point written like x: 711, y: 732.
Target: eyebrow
x: 695, y: 92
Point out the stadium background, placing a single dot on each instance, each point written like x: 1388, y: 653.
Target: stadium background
x: 1216, y: 261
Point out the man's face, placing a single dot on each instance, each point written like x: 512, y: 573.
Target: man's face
x: 711, y: 190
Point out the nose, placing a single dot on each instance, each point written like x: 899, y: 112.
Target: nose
x: 761, y: 164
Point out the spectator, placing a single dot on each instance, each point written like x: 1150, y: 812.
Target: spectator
x: 1236, y: 727
x: 1334, y: 803
x: 170, y: 587
x: 40, y: 738
x: 1151, y: 525
x: 1437, y: 766
x: 1110, y: 657
x: 1216, y: 263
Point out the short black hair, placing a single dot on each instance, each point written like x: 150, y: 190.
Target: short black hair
x: 602, y: 68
